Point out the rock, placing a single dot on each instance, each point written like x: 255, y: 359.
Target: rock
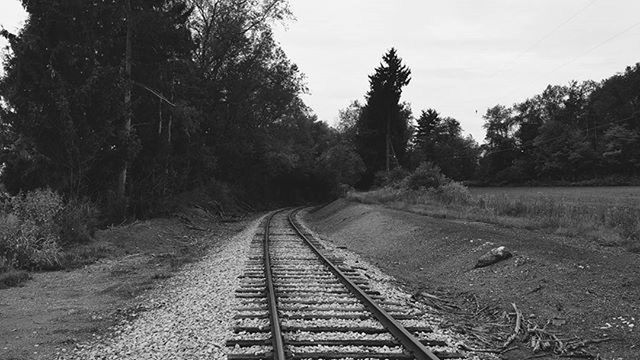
x: 493, y: 256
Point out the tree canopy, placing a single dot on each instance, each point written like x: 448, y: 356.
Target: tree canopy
x: 578, y: 132
x: 382, y: 128
x: 213, y: 98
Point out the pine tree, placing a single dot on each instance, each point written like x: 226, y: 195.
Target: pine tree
x: 382, y: 128
x: 427, y: 124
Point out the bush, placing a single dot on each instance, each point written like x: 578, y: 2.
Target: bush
x: 24, y: 245
x: 40, y: 207
x: 78, y: 222
x: 29, y: 233
x: 393, y: 178
x: 38, y: 223
x: 454, y: 193
x: 426, y: 176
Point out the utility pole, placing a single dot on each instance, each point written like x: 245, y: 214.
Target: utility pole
x: 387, y: 151
x: 122, y: 181
x: 388, y: 139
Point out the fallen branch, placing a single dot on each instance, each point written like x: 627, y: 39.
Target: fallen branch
x: 517, y: 328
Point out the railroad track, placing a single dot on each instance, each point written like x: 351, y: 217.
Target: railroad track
x: 296, y: 302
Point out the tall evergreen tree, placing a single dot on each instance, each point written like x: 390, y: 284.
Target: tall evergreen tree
x: 427, y: 123
x: 381, y: 130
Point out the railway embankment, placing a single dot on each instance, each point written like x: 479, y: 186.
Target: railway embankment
x: 567, y: 292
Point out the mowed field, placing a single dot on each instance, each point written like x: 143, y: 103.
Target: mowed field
x: 628, y: 196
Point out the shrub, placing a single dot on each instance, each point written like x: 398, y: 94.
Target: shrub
x: 41, y: 207
x: 426, y: 176
x: 78, y: 222
x: 454, y: 193
x: 392, y: 178
x: 24, y: 245
x: 29, y: 233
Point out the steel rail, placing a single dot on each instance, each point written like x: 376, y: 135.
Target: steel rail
x: 409, y: 341
x: 276, y: 332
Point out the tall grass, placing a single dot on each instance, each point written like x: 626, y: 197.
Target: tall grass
x: 606, y: 224
x: 35, y: 226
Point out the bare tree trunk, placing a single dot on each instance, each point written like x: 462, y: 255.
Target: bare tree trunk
x: 122, y: 181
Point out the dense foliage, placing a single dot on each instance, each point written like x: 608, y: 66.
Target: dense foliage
x: 580, y: 132
x: 587, y: 133
x: 381, y: 130
x: 384, y: 135
x: 206, y: 95
x: 440, y: 141
x: 213, y: 98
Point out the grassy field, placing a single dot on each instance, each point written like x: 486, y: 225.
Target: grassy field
x: 610, y: 216
x: 628, y: 196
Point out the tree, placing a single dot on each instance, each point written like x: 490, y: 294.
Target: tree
x: 60, y: 96
x: 184, y: 92
x: 500, y: 149
x: 348, y: 120
x: 427, y: 123
x: 66, y: 90
x: 440, y: 141
x: 381, y: 135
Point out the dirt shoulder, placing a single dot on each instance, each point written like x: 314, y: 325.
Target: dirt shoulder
x: 582, y: 289
x: 55, y: 311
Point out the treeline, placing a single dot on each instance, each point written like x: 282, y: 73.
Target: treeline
x: 391, y: 142
x: 585, y: 132
x: 127, y: 102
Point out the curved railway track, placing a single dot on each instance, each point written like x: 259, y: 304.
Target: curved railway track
x: 297, y: 302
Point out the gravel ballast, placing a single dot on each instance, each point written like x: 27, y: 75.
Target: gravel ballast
x: 187, y: 317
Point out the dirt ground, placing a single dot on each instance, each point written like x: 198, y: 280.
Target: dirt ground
x: 574, y: 287
x: 56, y: 310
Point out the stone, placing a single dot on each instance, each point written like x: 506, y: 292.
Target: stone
x: 493, y: 256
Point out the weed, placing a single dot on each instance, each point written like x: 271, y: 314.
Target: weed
x: 37, y: 224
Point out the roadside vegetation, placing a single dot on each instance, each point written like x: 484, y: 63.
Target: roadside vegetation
x: 428, y: 192
x: 41, y: 231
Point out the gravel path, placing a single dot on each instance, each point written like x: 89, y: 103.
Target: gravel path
x: 188, y: 317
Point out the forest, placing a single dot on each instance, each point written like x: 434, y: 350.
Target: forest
x: 126, y: 103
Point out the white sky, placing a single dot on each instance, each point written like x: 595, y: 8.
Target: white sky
x: 12, y: 17
x: 465, y: 55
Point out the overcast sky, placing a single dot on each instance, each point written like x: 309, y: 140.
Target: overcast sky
x: 465, y: 55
